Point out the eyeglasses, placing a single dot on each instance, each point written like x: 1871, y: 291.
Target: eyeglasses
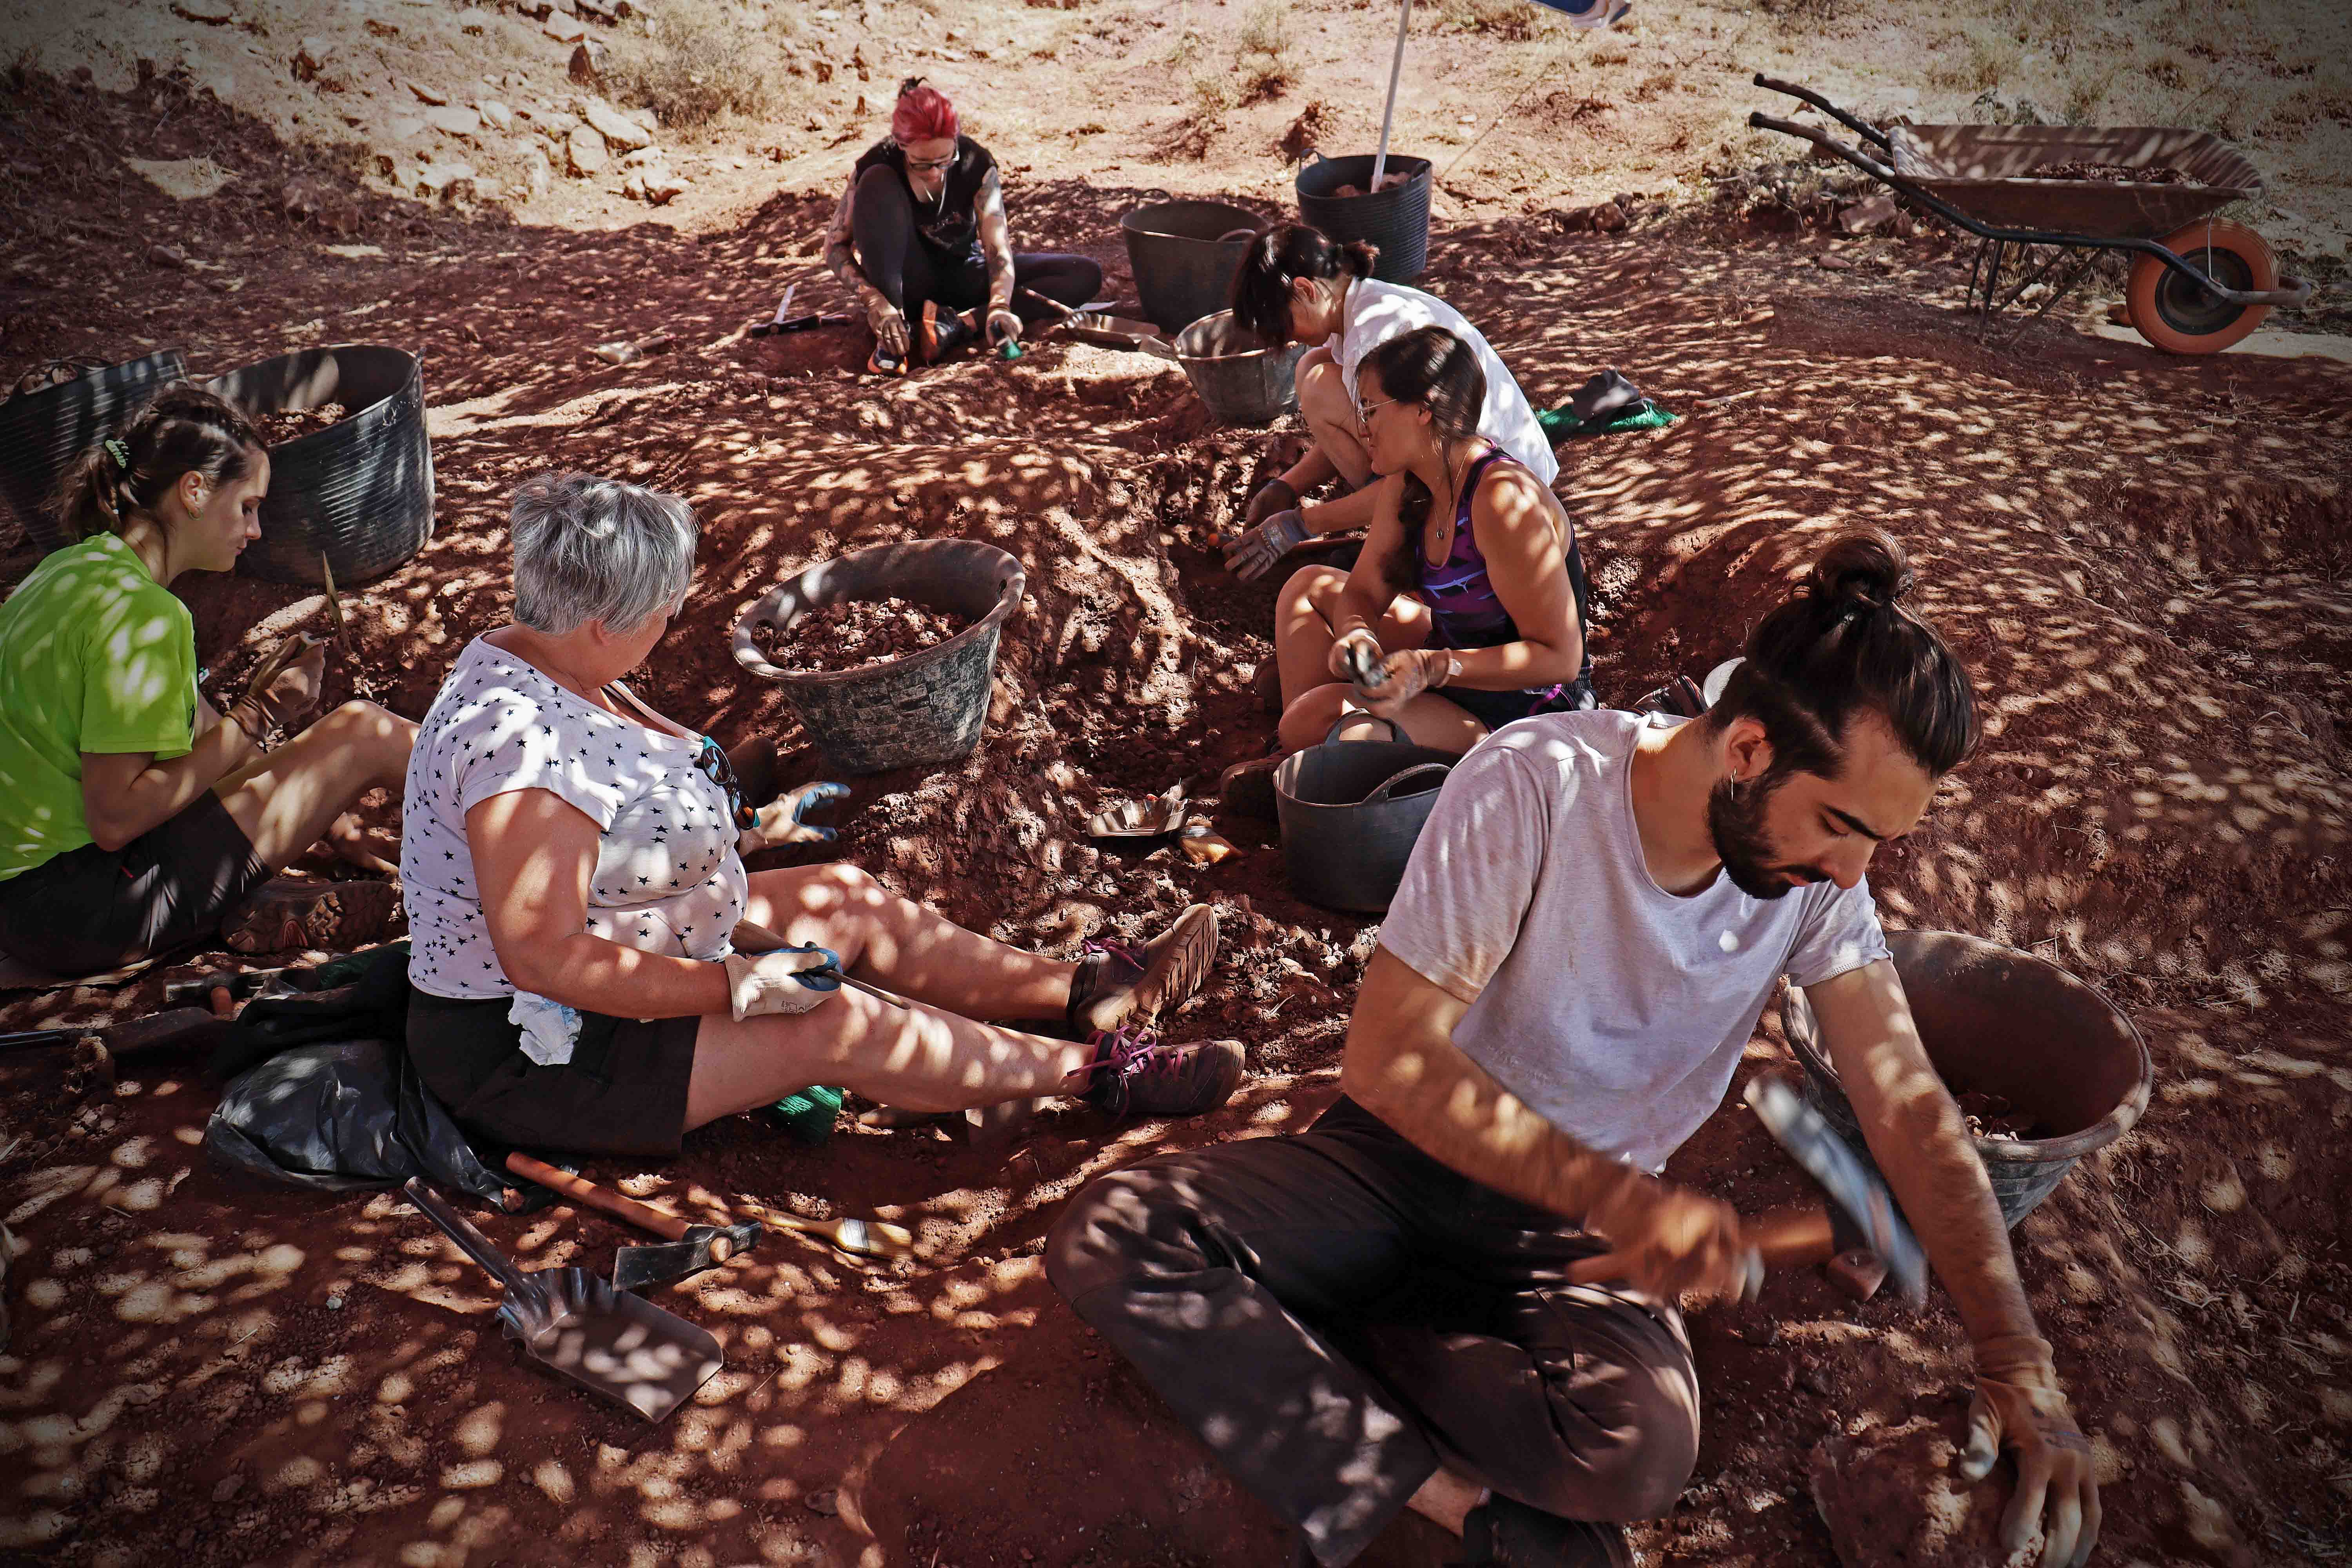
x: 1364, y: 411
x: 714, y: 766
x: 928, y: 166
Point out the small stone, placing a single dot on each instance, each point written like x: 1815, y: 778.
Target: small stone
x: 1832, y: 263
x: 334, y: 1303
x: 428, y: 95
x: 310, y: 57
x: 584, y: 152
x: 454, y: 121
x: 168, y: 257
x: 212, y: 13
x: 1869, y: 215
x: 229, y: 1487
x: 563, y: 29
x: 823, y: 1502
x: 495, y: 115
x: 620, y: 132
x: 588, y: 60
x: 537, y: 10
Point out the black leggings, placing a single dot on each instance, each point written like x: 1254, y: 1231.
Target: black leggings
x: 896, y: 260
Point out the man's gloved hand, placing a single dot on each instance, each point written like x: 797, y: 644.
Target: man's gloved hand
x: 2020, y: 1405
x: 1003, y: 327
x: 1253, y: 555
x: 889, y: 324
x: 1672, y: 1243
x: 283, y: 691
x: 784, y: 820
x: 1273, y: 496
x: 771, y: 981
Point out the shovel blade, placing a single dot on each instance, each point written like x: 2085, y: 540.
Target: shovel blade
x: 619, y: 1347
x: 1851, y: 1184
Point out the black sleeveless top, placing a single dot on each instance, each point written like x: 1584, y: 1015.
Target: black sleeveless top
x: 948, y: 224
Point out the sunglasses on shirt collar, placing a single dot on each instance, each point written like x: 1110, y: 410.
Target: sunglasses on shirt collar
x: 713, y: 765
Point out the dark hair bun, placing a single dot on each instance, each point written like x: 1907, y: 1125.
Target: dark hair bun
x: 1867, y: 569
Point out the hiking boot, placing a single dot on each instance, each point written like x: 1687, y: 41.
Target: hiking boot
x: 1505, y: 1533
x: 943, y: 332
x: 289, y: 912
x: 1115, y: 983
x: 1134, y: 1073
x: 883, y: 362
x: 1248, y: 788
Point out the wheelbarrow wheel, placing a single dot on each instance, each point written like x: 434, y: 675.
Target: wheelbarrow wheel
x: 2183, y: 317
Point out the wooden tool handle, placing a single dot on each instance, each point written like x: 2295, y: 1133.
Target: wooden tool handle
x: 579, y: 1189
x: 1791, y: 1238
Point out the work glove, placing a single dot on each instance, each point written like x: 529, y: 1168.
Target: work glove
x: 1273, y: 496
x: 889, y: 324
x: 784, y: 820
x: 1003, y: 327
x: 2020, y: 1405
x: 284, y: 688
x: 1356, y: 652
x: 1670, y: 1243
x: 1399, y: 678
x: 777, y: 982
x: 1253, y: 555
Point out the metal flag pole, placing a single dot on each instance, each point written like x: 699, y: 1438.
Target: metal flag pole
x: 1388, y: 109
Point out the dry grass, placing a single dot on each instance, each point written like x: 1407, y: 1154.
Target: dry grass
x: 1262, y: 55
x: 1497, y: 18
x: 701, y: 59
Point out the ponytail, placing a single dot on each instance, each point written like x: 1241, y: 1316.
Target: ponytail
x: 1844, y: 644
x: 182, y: 430
x: 1280, y: 257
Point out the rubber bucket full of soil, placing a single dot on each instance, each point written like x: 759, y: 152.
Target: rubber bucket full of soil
x: 351, y: 470
x: 1334, y: 195
x: 1241, y: 380
x: 1184, y: 256
x: 2045, y: 1068
x: 888, y: 655
x: 43, y: 431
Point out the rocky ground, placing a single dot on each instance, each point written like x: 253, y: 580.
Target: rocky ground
x: 2143, y: 559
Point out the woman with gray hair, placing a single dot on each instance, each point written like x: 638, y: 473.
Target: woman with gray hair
x: 592, y: 968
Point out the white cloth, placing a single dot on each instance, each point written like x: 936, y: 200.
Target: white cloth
x: 1613, y: 1008
x: 1378, y: 311
x: 550, y: 1029
x: 667, y: 878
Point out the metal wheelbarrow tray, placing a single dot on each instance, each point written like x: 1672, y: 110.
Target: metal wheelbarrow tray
x: 2197, y: 283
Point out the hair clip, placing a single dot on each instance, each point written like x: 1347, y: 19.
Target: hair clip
x: 119, y: 453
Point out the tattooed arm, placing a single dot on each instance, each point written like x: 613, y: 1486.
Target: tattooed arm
x: 996, y: 244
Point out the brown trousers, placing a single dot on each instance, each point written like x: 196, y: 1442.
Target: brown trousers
x: 1337, y: 1315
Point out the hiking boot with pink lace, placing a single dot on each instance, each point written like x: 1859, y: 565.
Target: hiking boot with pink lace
x: 1134, y: 1073
x: 1116, y: 985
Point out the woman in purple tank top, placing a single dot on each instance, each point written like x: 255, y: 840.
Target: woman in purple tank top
x: 1467, y: 602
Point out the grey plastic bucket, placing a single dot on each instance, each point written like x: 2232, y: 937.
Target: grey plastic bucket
x: 916, y: 710
x: 41, y: 433
x: 358, y: 493
x: 1351, y: 812
x: 1396, y: 219
x: 1242, y: 381
x: 1182, y: 269
x: 2002, y: 1021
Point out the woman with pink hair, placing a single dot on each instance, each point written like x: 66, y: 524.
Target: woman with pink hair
x: 920, y: 237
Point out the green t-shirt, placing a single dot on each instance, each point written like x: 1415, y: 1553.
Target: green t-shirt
x: 94, y: 656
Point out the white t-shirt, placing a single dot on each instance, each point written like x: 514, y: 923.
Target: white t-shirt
x: 667, y: 878
x: 1378, y: 311
x: 1611, y: 1007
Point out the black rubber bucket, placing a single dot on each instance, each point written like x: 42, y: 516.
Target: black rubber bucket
x: 1242, y: 381
x: 1998, y: 1020
x: 1396, y: 219
x: 1183, y: 271
x: 41, y: 433
x: 918, y: 711
x: 360, y: 492
x: 1351, y: 812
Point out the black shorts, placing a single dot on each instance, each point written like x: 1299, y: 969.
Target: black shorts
x: 92, y: 909
x: 1497, y: 709
x: 623, y: 1092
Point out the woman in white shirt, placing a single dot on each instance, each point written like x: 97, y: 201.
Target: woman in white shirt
x: 592, y: 968
x: 1298, y: 285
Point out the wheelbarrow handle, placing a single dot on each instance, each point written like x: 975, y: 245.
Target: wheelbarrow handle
x: 1861, y: 128
x: 1831, y: 145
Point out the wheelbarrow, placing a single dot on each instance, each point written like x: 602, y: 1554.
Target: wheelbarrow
x: 2199, y: 283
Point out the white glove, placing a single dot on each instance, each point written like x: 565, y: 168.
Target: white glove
x: 1346, y: 661
x: 889, y: 324
x: 773, y: 982
x: 1003, y: 327
x: 1254, y: 554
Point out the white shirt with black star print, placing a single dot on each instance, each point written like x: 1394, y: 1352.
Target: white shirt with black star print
x: 667, y: 878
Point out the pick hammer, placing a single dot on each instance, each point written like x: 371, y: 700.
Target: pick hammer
x: 688, y: 1248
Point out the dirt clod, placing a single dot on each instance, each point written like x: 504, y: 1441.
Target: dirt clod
x: 290, y: 424
x: 852, y: 633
